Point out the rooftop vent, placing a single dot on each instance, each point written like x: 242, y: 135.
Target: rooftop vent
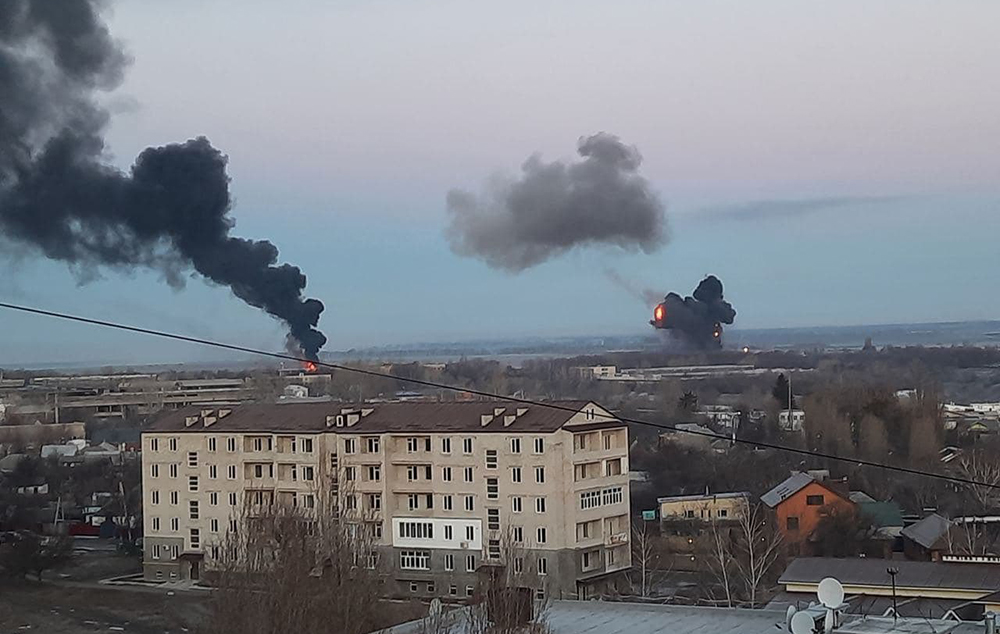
x: 521, y: 411
x: 485, y: 419
x: 499, y: 410
x: 190, y: 420
x: 509, y: 419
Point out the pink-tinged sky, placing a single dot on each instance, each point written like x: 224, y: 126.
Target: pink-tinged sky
x: 833, y: 162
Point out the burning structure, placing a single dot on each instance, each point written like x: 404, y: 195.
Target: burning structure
x: 698, y: 319
x: 60, y: 197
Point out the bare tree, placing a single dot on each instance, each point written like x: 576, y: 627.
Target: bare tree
x: 755, y: 549
x: 507, y: 601
x: 978, y: 466
x: 720, y: 561
x: 289, y: 569
x: 647, y: 549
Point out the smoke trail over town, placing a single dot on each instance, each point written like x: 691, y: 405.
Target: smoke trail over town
x: 61, y: 198
x: 696, y: 319
x: 553, y: 207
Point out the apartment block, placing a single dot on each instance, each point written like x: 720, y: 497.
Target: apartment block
x: 447, y: 490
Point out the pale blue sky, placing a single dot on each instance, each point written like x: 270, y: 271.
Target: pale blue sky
x: 346, y: 123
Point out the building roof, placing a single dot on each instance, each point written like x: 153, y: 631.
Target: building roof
x: 789, y: 487
x: 928, y: 531
x: 703, y: 496
x: 882, y: 514
x: 386, y: 418
x: 860, y: 497
x: 912, y: 574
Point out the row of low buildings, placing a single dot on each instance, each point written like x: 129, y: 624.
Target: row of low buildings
x: 439, y: 487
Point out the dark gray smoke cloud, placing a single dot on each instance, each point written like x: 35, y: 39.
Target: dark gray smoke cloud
x: 553, y: 207
x: 697, y: 319
x: 59, y: 196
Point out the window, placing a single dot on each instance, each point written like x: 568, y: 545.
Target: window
x: 430, y: 500
x: 611, y: 556
x: 154, y: 471
x: 468, y: 474
x: 308, y: 473
x: 723, y: 513
x: 350, y: 474
x: 374, y: 473
x: 449, y: 562
x: 792, y: 523
x: 541, y: 535
x: 413, y: 586
x: 612, y: 496
x: 156, y: 523
x: 446, y: 474
x: 175, y: 552
x: 427, y: 444
x: 351, y: 502
x: 539, y: 445
x: 470, y: 503
x: 193, y: 509
x: 258, y: 471
x: 493, y: 519
x: 231, y: 445
x: 491, y: 458
x: 350, y: 446
x: 416, y: 530
x: 415, y: 560
x: 449, y: 533
x: 470, y: 563
x: 609, y: 441
x: 453, y: 590
x: 448, y: 503
x: 516, y: 504
x: 588, y: 560
x: 213, y: 498
x: 515, y: 445
x: 309, y: 501
x: 232, y: 499
x: 814, y: 500
x: 470, y: 533
x: 231, y: 472
x: 689, y: 514
x: 174, y: 498
x: 515, y: 475
x: 156, y: 553
x: 411, y: 501
x: 411, y: 445
x: 374, y: 445
x: 543, y: 566
x: 214, y: 525
x: 155, y: 496
x: 540, y: 475
x: 518, y: 534
x: 213, y: 472
x: 192, y: 458
x: 173, y: 470
x: 307, y: 445
x: 154, y: 444
x: 193, y: 484
x: 212, y: 443
x: 493, y: 549
x: 375, y: 501
x: 492, y: 489
x: 518, y: 565
x: 173, y: 444
x: 175, y: 524
x: 446, y: 445
x: 428, y: 473
x: 232, y: 525
x: 377, y: 532
x: 467, y: 446
x: 613, y: 467
x: 539, y: 505
x: 470, y: 590
x: 430, y: 587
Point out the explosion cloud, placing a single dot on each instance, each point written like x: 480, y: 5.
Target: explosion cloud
x: 553, y: 207
x: 60, y: 197
x: 698, y: 319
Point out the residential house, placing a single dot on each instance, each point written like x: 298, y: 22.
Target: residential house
x: 791, y: 420
x: 686, y: 520
x: 927, y: 540
x: 800, y: 502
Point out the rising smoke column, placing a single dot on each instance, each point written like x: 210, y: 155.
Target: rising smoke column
x: 59, y: 196
x: 552, y: 207
x: 697, y: 319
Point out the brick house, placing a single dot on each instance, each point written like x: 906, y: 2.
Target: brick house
x: 800, y: 502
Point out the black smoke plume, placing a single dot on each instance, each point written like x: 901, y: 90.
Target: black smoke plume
x: 553, y: 207
x: 697, y: 319
x: 61, y: 197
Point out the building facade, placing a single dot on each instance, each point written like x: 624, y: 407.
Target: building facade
x: 446, y: 489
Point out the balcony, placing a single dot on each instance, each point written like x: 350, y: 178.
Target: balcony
x: 617, y: 539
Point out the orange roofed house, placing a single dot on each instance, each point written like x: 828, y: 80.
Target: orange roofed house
x: 800, y: 502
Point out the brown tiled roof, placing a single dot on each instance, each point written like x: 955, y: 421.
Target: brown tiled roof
x: 384, y: 418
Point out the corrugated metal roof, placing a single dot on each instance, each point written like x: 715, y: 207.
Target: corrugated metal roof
x: 928, y: 531
x: 789, y: 487
x: 912, y: 574
x: 384, y: 418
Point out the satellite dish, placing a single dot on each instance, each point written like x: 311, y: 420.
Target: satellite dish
x: 435, y: 609
x: 802, y: 623
x: 831, y: 593
x: 789, y: 613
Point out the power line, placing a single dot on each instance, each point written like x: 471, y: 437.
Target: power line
x: 511, y: 399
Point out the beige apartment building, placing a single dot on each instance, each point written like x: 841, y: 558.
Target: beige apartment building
x: 446, y: 489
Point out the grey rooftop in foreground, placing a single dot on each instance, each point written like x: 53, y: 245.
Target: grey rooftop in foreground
x: 606, y: 617
x: 870, y: 572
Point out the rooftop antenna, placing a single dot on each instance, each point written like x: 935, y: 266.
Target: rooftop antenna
x: 831, y: 595
x: 893, y: 571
